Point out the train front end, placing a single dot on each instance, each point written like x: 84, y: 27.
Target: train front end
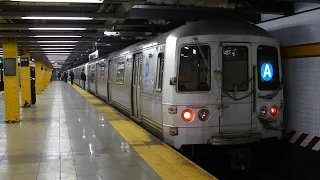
x: 221, y: 90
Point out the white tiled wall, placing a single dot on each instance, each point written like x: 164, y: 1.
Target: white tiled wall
x: 301, y: 79
x: 302, y: 94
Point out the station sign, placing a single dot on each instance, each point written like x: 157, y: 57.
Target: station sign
x: 24, y: 61
x: 94, y: 55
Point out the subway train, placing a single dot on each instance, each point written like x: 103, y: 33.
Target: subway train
x: 207, y: 82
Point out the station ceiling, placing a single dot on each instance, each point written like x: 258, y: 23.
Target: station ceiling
x: 68, y: 31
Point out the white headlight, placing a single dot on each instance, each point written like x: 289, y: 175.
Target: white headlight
x: 203, y: 115
x: 263, y: 111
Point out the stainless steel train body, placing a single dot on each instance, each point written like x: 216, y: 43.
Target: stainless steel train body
x: 210, y: 81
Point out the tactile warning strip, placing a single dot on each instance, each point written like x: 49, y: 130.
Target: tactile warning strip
x: 165, y: 161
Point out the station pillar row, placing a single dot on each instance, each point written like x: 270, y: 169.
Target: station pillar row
x: 11, y: 79
x: 25, y: 79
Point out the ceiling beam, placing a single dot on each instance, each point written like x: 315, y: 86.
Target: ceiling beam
x: 188, y: 13
x: 94, y: 15
x: 26, y: 43
x: 192, y: 13
x: 171, y: 12
x: 31, y: 34
x: 57, y: 39
x: 27, y: 26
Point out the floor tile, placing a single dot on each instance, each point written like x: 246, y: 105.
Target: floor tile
x: 64, y: 137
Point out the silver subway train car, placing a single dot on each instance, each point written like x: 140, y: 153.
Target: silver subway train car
x: 211, y: 81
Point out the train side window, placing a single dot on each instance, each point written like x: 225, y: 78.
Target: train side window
x: 160, y: 65
x: 120, y: 72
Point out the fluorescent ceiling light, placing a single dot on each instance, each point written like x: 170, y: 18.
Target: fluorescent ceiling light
x: 57, y: 51
x: 57, y: 41
x: 49, y: 36
x: 63, y: 1
x: 111, y: 33
x: 57, y: 18
x: 56, y: 48
x: 58, y: 45
x: 58, y: 29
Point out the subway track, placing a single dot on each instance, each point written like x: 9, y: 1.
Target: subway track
x: 275, y: 160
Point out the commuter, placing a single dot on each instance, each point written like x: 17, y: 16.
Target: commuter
x: 83, y: 79
x: 59, y: 75
x: 71, y: 74
x: 65, y: 76
x: 62, y: 76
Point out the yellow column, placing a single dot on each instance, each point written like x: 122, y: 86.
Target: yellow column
x: 38, y: 67
x: 11, y: 79
x: 25, y: 79
x: 49, y: 75
x: 45, y: 76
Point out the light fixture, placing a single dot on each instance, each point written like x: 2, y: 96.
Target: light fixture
x: 57, y: 18
x: 63, y: 1
x: 57, y: 36
x: 57, y: 48
x: 58, y: 45
x: 111, y: 33
x: 58, y: 29
x: 57, y: 52
x: 57, y: 41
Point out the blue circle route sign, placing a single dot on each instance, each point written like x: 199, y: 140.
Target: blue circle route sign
x: 266, y: 71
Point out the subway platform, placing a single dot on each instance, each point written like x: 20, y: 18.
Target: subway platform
x: 71, y: 134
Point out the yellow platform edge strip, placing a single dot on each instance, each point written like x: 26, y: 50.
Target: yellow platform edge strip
x: 301, y: 51
x: 165, y: 161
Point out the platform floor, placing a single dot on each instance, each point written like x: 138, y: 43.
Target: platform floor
x: 70, y: 134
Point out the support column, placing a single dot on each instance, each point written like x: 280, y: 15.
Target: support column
x: 11, y: 79
x: 46, y: 71
x: 25, y: 79
x: 38, y: 68
x: 44, y: 79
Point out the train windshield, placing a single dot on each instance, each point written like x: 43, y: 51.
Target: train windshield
x: 235, y: 68
x: 268, y: 68
x: 194, y: 73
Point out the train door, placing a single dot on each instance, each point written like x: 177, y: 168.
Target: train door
x: 135, y: 89
x: 109, y: 81
x: 88, y: 77
x: 92, y: 79
x: 1, y: 76
x: 236, y: 93
x: 97, y: 78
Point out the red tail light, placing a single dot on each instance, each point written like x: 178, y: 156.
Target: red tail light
x: 187, y: 115
x: 273, y: 110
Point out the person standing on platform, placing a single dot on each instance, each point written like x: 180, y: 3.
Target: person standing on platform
x: 62, y: 76
x: 65, y: 76
x: 59, y: 75
x: 71, y: 77
x: 83, y: 79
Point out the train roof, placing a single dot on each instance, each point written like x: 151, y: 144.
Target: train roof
x: 204, y: 27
